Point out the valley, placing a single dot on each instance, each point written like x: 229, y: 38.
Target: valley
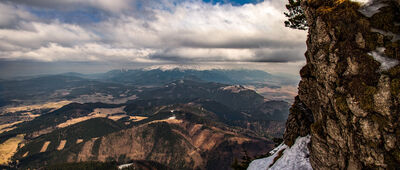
x: 182, y: 122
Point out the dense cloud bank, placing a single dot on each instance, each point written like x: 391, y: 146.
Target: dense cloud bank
x: 143, y: 31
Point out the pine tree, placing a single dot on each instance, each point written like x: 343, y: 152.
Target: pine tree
x: 296, y: 17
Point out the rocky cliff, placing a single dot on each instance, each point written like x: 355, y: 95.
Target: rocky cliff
x: 349, y: 93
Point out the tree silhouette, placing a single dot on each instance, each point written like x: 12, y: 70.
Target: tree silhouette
x: 296, y: 17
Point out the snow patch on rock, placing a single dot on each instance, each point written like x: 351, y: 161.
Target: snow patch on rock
x: 370, y: 8
x: 293, y: 158
x: 394, y: 37
x: 386, y: 63
x: 362, y: 2
x: 124, y: 166
x: 234, y: 88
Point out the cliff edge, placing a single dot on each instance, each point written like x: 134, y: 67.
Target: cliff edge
x: 349, y: 93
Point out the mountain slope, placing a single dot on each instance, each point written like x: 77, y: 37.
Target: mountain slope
x: 160, y: 76
x: 59, y: 87
x: 184, y: 124
x: 234, y: 105
x: 186, y: 138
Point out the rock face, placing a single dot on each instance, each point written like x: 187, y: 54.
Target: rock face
x: 349, y: 93
x: 298, y: 123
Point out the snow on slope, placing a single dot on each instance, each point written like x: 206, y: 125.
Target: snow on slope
x: 293, y: 158
x: 234, y: 88
x: 266, y: 162
x: 386, y: 63
x: 182, y: 67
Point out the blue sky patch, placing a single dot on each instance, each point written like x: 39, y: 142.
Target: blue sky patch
x: 84, y: 15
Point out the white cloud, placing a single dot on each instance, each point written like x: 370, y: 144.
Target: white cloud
x: 206, y: 25
x: 85, y: 52
x: 188, y: 31
x: 36, y: 34
x: 11, y: 15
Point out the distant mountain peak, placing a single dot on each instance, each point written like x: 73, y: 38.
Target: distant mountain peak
x: 182, y: 67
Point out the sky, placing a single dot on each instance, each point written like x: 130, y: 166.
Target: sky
x: 96, y: 35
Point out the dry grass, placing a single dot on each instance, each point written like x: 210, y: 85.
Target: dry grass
x: 207, y: 139
x: 86, y: 151
x: 8, y: 126
x: 137, y: 118
x: 9, y: 148
x: 45, y: 145
x: 30, y: 115
x: 171, y: 121
x: 27, y: 116
x: 282, y: 93
x: 79, y: 141
x: 49, y: 105
x: 98, y: 112
x: 239, y: 140
x: 62, y: 145
x: 116, y: 117
x: 76, y: 120
x: 7, y: 129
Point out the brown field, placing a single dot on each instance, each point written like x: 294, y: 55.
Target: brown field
x: 8, y: 127
x: 9, y: 148
x: 45, y: 145
x: 281, y: 93
x: 62, y: 145
x: 75, y: 121
x: 169, y: 120
x: 239, y: 140
x: 98, y: 112
x: 137, y: 118
x: 49, y: 105
x: 117, y: 117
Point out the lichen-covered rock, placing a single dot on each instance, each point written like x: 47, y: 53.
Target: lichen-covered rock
x: 350, y: 106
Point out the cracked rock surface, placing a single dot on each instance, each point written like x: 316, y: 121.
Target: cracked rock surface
x: 348, y: 105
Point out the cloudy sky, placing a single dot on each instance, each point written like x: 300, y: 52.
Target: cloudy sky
x: 142, y: 33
